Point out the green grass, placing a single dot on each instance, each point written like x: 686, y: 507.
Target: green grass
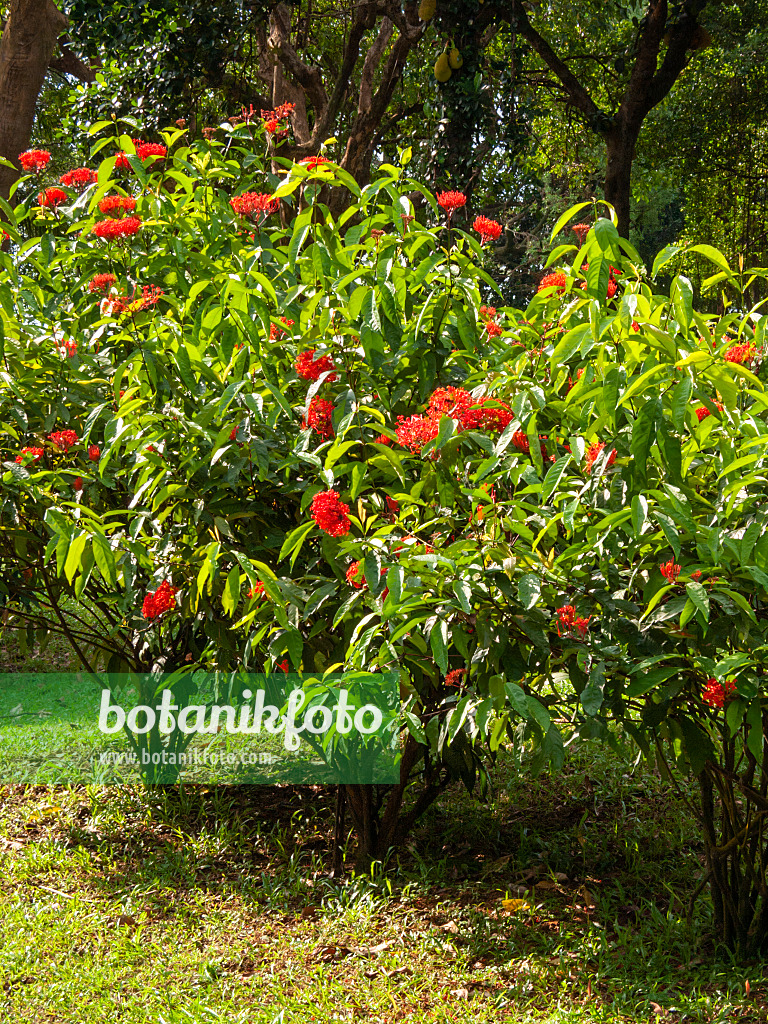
x: 215, y: 905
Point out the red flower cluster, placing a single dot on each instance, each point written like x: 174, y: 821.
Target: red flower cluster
x: 416, y: 431
x: 78, y: 483
x: 314, y: 161
x: 696, y: 574
x: 319, y: 417
x: 52, y: 197
x: 159, y: 602
x: 489, y: 230
x: 275, y: 332
x: 34, y: 159
x: 272, y: 118
x: 330, y: 513
x: 702, y: 411
x: 569, y: 623
x: 521, y: 442
x: 740, y: 353
x: 110, y: 204
x: 670, y: 571
x: 147, y: 149
x: 101, y: 282
x: 79, y: 178
x: 472, y: 413
x: 143, y: 151
x: 93, y: 452
x: 455, y: 677
x: 354, y: 575
x: 310, y: 368
x: 715, y: 694
x: 64, y: 439
x: 257, y: 590
x: 581, y: 231
x: 451, y: 201
x: 635, y: 325
x: 36, y: 452
x: 111, y: 229
x: 492, y: 326
x: 554, y: 280
x: 593, y: 453
x: 253, y: 204
x: 132, y: 303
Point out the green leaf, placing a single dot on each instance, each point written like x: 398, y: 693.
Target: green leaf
x: 438, y: 640
x: 395, y: 577
x: 639, y: 514
x: 643, y: 434
x: 682, y: 300
x: 528, y: 590
x: 295, y: 539
x: 699, y: 598
x: 665, y: 256
x: 231, y: 594
x: 680, y: 397
x: 295, y: 646
x: 553, y: 477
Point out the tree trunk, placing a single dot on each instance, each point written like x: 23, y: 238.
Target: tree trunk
x: 26, y: 48
x: 620, y: 152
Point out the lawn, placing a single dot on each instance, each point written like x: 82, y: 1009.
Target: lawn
x: 567, y: 900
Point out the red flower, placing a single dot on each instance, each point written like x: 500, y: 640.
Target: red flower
x: 612, y: 287
x: 554, y: 280
x: 93, y: 452
x: 64, y: 439
x: 160, y: 602
x: 740, y: 353
x: 283, y: 665
x: 253, y: 204
x: 493, y: 329
x: 34, y: 159
x: 521, y: 442
x: 670, y: 571
x: 696, y: 574
x: 233, y: 434
x: 147, y: 149
x: 101, y: 282
x: 36, y: 452
x: 416, y: 431
x: 635, y: 325
x: 455, y: 677
x: 330, y: 513
x: 451, y: 201
x: 275, y: 332
x: 319, y: 417
x: 70, y: 348
x: 52, y: 197
x: 78, y: 484
x: 581, y: 231
x: 354, y: 577
x: 79, y: 178
x: 117, y: 228
x: 310, y: 368
x: 593, y: 453
x: 392, y: 505
x: 715, y: 694
x: 488, y: 312
x: 569, y: 623
x: 271, y: 125
x: 257, y: 590
x: 313, y: 161
x: 122, y: 162
x: 489, y: 230
x: 109, y: 204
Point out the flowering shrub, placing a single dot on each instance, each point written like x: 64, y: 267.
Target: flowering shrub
x: 572, y: 425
